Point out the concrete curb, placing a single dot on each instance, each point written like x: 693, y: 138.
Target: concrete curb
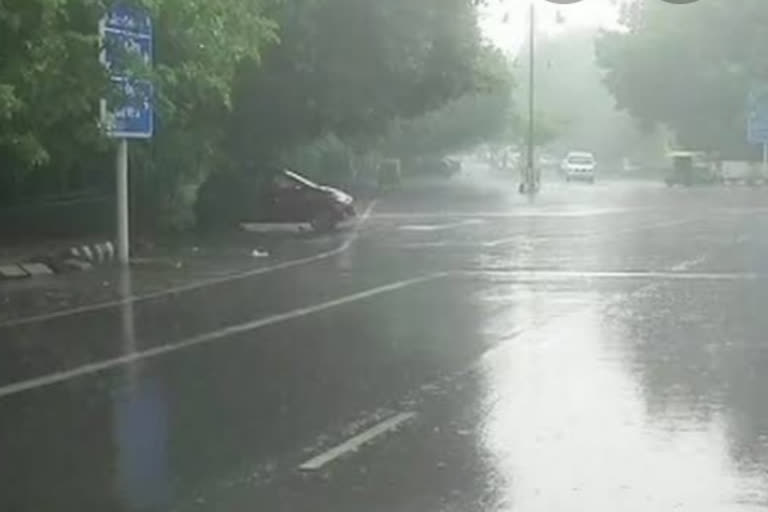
x: 74, y: 259
x: 96, y: 254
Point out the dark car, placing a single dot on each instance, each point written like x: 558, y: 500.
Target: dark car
x: 282, y: 196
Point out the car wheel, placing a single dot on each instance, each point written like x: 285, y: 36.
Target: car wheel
x: 324, y: 222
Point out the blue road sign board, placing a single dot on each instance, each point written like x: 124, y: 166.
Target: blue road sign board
x: 134, y: 117
x: 126, y: 35
x: 129, y: 19
x: 757, y: 116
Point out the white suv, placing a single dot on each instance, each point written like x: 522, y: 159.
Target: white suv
x: 579, y: 165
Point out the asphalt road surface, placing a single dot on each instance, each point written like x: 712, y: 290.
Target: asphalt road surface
x: 600, y: 348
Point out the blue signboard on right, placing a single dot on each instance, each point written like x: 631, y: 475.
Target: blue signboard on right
x: 757, y: 116
x: 126, y: 35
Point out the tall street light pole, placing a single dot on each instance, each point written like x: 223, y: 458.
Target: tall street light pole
x: 530, y: 181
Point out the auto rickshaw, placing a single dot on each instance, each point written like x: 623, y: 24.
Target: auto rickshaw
x: 691, y: 168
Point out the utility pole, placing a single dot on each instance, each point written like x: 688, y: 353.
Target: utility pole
x: 529, y: 182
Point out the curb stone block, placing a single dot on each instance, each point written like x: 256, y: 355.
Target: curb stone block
x: 94, y: 253
x: 78, y: 258
x: 36, y: 269
x: 76, y: 264
x: 12, y: 272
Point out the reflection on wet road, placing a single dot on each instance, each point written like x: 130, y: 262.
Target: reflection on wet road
x: 600, y: 349
x: 568, y: 428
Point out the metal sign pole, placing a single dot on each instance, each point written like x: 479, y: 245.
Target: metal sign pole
x: 765, y: 160
x: 529, y: 178
x: 123, y: 237
x: 126, y: 30
x: 757, y: 121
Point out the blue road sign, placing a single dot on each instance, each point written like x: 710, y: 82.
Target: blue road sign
x: 757, y: 116
x: 126, y: 35
x: 134, y: 117
x: 129, y: 19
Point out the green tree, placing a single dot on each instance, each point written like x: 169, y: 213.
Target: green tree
x: 199, y: 45
x: 349, y: 67
x: 51, y: 82
x: 482, y: 116
x: 689, y: 67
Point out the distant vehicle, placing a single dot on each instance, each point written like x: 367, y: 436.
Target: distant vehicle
x: 692, y: 168
x: 280, y: 197
x: 579, y: 166
x: 744, y: 172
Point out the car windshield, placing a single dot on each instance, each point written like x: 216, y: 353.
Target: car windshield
x: 581, y: 160
x: 383, y: 255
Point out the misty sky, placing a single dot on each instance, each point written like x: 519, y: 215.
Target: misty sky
x: 509, y: 35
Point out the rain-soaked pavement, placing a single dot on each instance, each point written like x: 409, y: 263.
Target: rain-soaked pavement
x: 599, y: 348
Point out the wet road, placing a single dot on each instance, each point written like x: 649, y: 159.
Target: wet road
x: 600, y: 348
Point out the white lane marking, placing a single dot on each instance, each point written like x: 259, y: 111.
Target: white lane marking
x: 218, y: 335
x: 508, y: 240
x: 655, y: 225
x: 607, y: 233
x: 440, y: 227
x: 688, y: 264
x: 516, y: 214
x: 527, y: 239
x: 355, y: 443
x: 196, y: 284
x: 550, y: 275
x: 426, y: 245
x: 548, y: 213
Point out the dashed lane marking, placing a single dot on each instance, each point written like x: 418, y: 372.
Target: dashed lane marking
x: 355, y: 443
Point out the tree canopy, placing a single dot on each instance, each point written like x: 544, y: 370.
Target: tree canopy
x: 51, y: 79
x: 575, y: 110
x: 352, y: 66
x: 238, y: 83
x: 689, y: 67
